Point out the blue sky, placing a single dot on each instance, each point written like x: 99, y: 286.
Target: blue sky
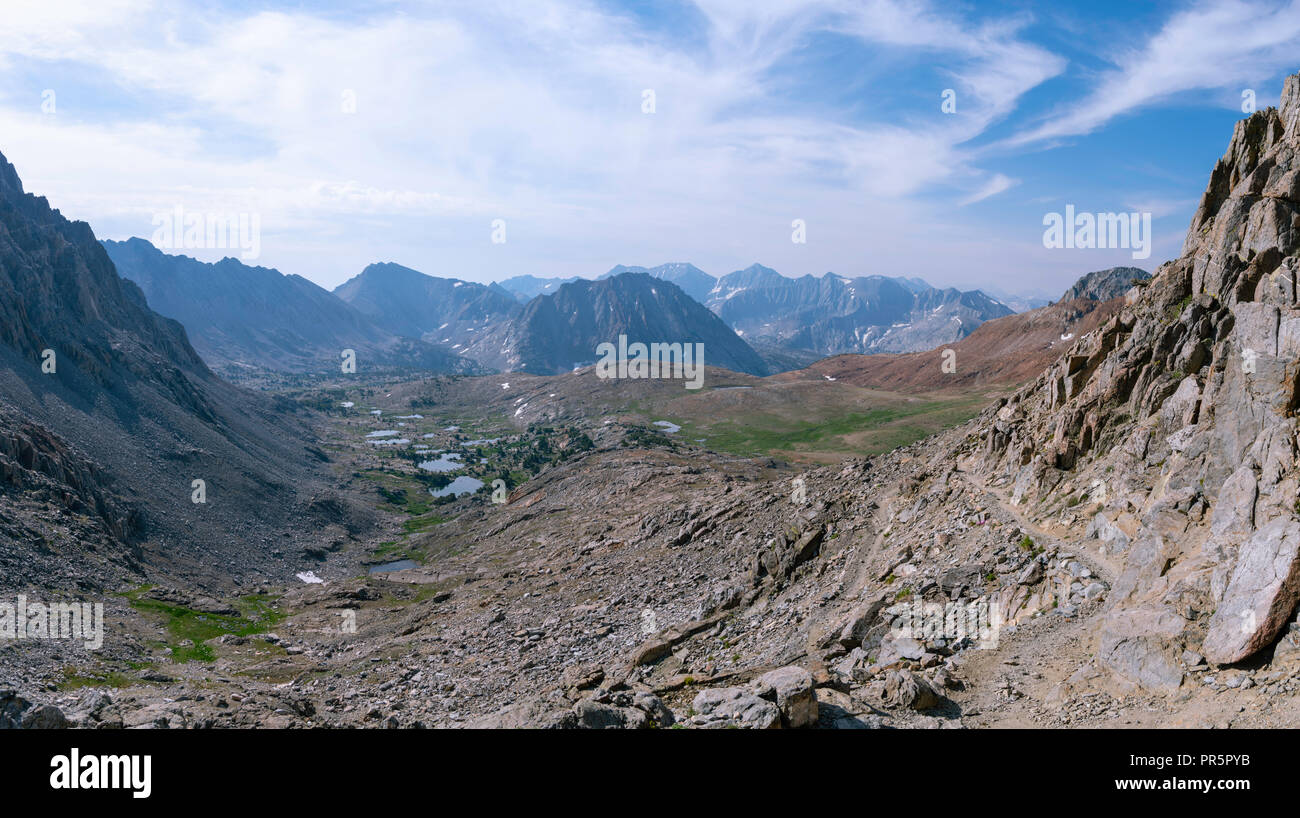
x: 532, y: 114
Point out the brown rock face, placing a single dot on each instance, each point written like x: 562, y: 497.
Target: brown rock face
x: 1003, y: 351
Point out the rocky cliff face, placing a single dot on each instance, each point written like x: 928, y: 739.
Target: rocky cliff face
x: 109, y: 416
x: 1104, y: 285
x: 1179, y: 417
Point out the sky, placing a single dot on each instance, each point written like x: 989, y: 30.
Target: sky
x: 491, y: 138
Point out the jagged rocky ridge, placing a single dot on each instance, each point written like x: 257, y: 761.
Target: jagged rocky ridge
x: 1182, y: 410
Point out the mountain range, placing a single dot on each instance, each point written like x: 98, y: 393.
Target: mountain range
x: 754, y: 320
x: 834, y: 314
x: 241, y: 316
x: 559, y: 332
x: 1000, y: 352
x: 397, y: 317
x: 439, y: 310
x: 830, y: 314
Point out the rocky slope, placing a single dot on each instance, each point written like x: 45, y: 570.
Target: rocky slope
x: 109, y: 418
x: 237, y: 315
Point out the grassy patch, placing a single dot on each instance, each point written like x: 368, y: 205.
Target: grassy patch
x: 72, y: 680
x: 867, y: 432
x: 417, y: 524
x: 256, y: 615
x: 404, y: 493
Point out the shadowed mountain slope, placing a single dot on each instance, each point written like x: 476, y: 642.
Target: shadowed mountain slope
x: 254, y: 316
x: 556, y: 333
x: 110, y: 417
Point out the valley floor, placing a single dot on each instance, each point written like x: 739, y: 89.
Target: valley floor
x: 625, y: 571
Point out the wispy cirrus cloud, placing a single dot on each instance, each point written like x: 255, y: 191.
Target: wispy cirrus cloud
x: 998, y: 184
x: 1224, y: 44
x: 472, y: 110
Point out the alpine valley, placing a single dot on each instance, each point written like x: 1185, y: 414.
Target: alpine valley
x: 476, y: 526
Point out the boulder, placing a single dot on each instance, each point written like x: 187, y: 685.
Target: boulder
x: 855, y: 630
x: 651, y: 705
x: 528, y: 715
x: 1261, y: 595
x: 592, y: 715
x: 791, y: 689
x: 45, y: 717
x: 582, y: 676
x: 901, y: 688
x: 735, y: 707
x: 1138, y: 644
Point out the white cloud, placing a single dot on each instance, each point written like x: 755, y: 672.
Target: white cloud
x: 1160, y: 207
x: 998, y: 184
x: 998, y: 68
x: 1226, y: 44
x: 469, y: 111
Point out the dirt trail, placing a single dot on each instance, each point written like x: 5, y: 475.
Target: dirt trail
x: 1008, y: 685
x: 1102, y: 569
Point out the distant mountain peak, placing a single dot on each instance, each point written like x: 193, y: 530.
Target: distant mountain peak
x: 1103, y: 285
x: 694, y: 282
x: 559, y: 331
x: 438, y: 310
x: 833, y: 313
